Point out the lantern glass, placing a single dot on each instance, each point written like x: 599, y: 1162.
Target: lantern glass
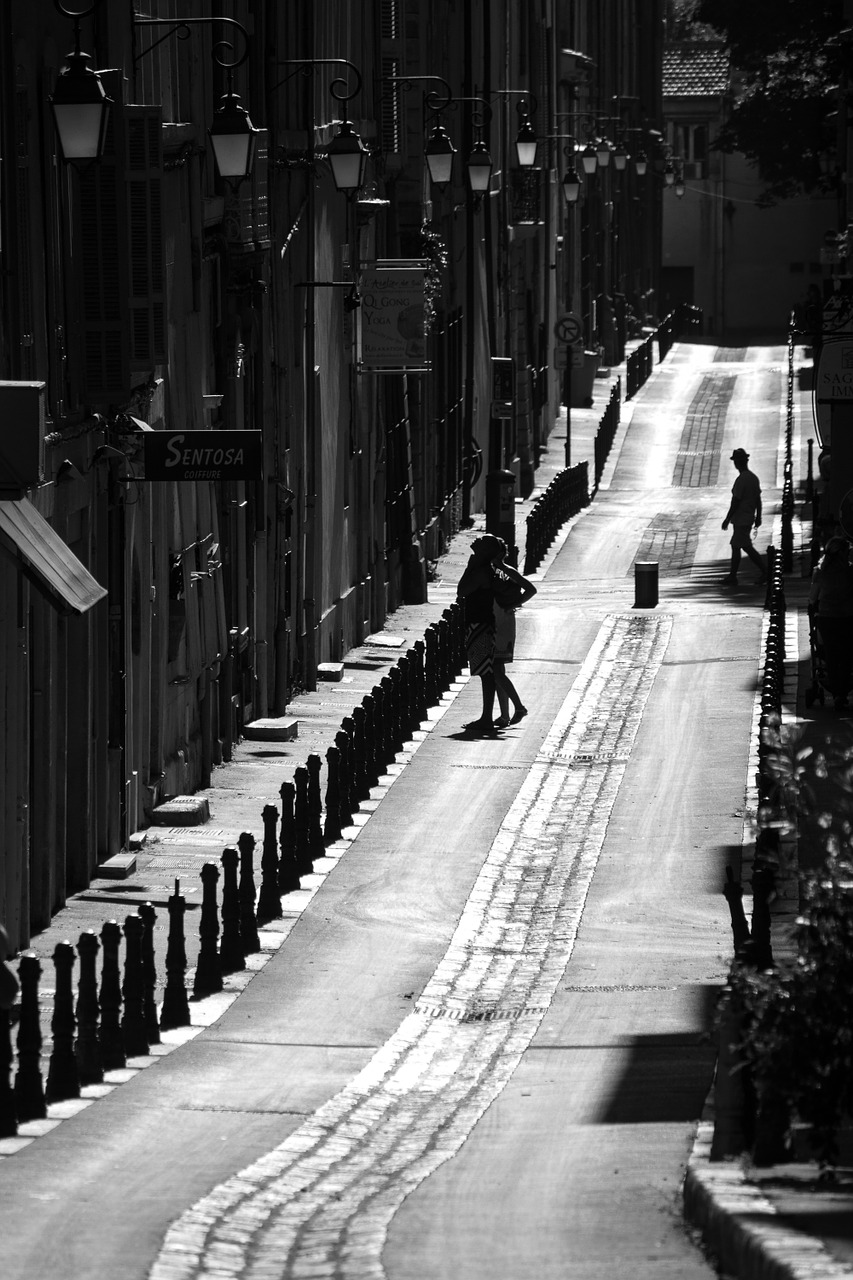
x: 348, y: 158
x: 620, y: 158
x: 232, y: 137
x: 589, y: 159
x: 438, y: 153
x: 602, y: 152
x: 479, y: 168
x: 525, y: 146
x: 81, y: 110
x: 669, y: 173
x: 641, y: 164
x: 572, y: 186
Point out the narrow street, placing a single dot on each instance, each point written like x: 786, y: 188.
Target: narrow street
x: 483, y: 1048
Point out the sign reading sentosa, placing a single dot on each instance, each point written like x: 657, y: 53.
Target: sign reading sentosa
x: 203, y: 455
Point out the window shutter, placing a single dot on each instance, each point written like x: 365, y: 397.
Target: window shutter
x: 143, y: 193
x: 260, y: 190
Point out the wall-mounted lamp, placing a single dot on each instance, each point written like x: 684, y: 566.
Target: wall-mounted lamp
x: 81, y: 108
x: 571, y: 185
x: 438, y: 153
x: 346, y: 153
x: 669, y: 173
x: 679, y: 184
x: 479, y: 166
x: 232, y: 134
x: 603, y: 152
x: 526, y: 145
x: 620, y: 157
x: 641, y: 164
x: 589, y: 158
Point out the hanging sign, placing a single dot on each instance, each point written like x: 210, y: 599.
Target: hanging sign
x: 393, y: 329
x: 203, y: 455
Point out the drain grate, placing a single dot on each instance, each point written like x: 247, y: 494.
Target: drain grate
x: 618, y: 988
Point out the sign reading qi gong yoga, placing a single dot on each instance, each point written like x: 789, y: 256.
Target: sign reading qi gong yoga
x: 393, y: 334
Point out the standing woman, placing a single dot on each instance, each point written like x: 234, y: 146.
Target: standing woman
x: 511, y: 592
x: 476, y: 590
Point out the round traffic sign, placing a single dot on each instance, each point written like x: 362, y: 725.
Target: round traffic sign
x: 568, y: 329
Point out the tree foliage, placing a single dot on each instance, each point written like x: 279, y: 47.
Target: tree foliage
x: 788, y: 59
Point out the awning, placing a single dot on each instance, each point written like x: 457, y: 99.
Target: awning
x: 47, y: 560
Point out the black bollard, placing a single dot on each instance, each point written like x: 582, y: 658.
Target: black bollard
x: 148, y: 916
x: 133, y: 1029
x: 360, y: 783
x: 29, y: 1086
x: 208, y: 970
x: 304, y: 860
x: 248, y: 923
x: 421, y: 705
x: 269, y: 899
x: 332, y: 829
x: 348, y: 777
x: 90, y: 1066
x: 288, y: 868
x: 62, y: 1077
x: 112, y: 1041
x: 370, y: 742
x: 315, y: 806
x: 388, y: 730
x: 344, y: 810
x: 176, y: 1007
x: 231, y: 954
x: 8, y: 1101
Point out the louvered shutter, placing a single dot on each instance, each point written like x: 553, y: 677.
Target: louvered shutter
x: 393, y: 64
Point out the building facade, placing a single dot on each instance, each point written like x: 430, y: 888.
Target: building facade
x: 155, y: 599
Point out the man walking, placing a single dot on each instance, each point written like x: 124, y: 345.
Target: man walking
x: 744, y: 512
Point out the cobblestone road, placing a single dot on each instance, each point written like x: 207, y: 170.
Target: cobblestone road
x: 319, y: 1205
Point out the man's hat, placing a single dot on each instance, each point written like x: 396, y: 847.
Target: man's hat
x: 740, y: 453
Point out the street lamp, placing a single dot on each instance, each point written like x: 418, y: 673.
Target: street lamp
x: 679, y: 184
x: 479, y: 166
x: 589, y: 158
x: 80, y: 106
x: 603, y: 152
x: 571, y: 185
x: 438, y: 153
x: 641, y: 164
x: 346, y: 153
x: 232, y: 134
x: 620, y: 157
x: 526, y: 144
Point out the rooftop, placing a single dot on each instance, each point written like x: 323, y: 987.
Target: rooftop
x: 695, y: 69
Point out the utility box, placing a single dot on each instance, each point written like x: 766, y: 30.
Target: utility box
x: 500, y: 506
x: 21, y: 437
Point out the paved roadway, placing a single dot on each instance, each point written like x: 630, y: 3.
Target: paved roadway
x: 483, y: 1048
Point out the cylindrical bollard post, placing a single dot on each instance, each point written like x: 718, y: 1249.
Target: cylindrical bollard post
x: 62, y: 1078
x: 29, y: 1086
x: 344, y: 810
x: 248, y: 923
x: 112, y: 1041
x: 304, y: 861
x: 231, y: 954
x: 332, y: 829
x: 8, y: 1102
x: 133, y: 1029
x: 371, y: 767
x: 208, y: 971
x: 360, y: 783
x: 288, y: 868
x: 269, y: 898
x: 148, y: 916
x: 315, y: 805
x: 176, y: 1006
x: 348, y: 775
x: 645, y: 584
x: 90, y: 1066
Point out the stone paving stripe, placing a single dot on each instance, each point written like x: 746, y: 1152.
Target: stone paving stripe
x: 320, y: 1204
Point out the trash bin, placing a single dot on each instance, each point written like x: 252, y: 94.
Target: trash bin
x: 645, y: 584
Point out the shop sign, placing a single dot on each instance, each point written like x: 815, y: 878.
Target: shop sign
x: 393, y: 328
x: 203, y: 455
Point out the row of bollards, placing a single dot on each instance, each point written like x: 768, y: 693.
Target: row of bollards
x: 566, y: 495
x: 117, y: 1019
